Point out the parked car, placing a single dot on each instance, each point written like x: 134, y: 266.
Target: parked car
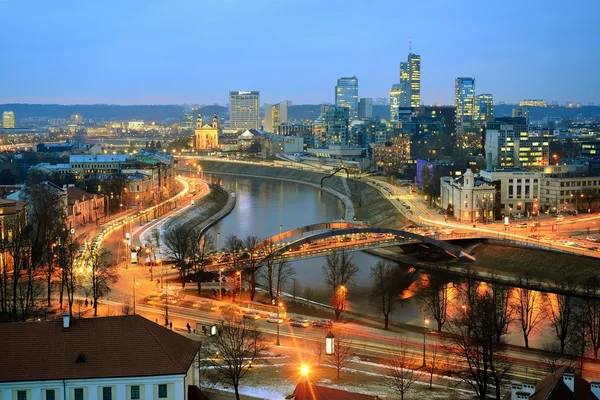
x: 301, y: 323
x: 592, y: 239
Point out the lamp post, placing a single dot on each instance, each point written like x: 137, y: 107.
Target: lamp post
x: 135, y: 283
x: 238, y: 274
x: 425, y: 323
x: 278, y: 307
x: 220, y: 284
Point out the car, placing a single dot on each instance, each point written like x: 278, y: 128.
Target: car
x: 593, y: 248
x: 301, y: 323
x: 522, y: 225
x: 404, y: 203
x: 559, y: 218
x: 205, y: 305
x: 275, y: 320
x: 322, y: 323
x: 345, y: 239
x: 362, y: 238
x: 252, y: 315
x: 294, y: 319
x: 592, y: 239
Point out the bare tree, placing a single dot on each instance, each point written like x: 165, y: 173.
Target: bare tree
x: 591, y: 312
x: 233, y: 350
x: 294, y: 288
x: 234, y: 246
x: 309, y: 293
x: 253, y: 262
x: 400, y: 370
x: 201, y: 244
x: 503, y: 313
x: 66, y: 255
x: 551, y: 358
x: 528, y: 308
x: 343, y: 353
x: 561, y: 314
x: 177, y: 244
x: 267, y: 271
x: 385, y: 292
x: 283, y: 272
x: 434, y: 299
x: 433, y: 362
x: 103, y: 273
x: 479, y: 359
x: 15, y: 262
x: 318, y: 348
x: 339, y: 273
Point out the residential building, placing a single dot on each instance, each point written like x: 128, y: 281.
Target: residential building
x: 207, y: 135
x: 244, y: 110
x: 346, y: 95
x: 483, y: 108
x: 464, y: 96
x: 559, y: 385
x: 518, y: 191
x: 336, y: 122
x: 13, y: 216
x: 365, y: 108
x: 392, y: 157
x: 83, y: 208
x: 109, y: 358
x: 468, y: 198
x: 364, y: 133
x: 8, y: 120
x: 275, y: 115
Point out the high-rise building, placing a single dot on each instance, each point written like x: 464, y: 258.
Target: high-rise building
x: 336, y: 121
x: 8, y: 120
x: 365, y: 108
x: 275, y: 115
x: 509, y: 144
x: 404, y: 86
x: 483, y: 109
x: 414, y: 73
x: 464, y: 94
x: 244, y: 109
x: 346, y: 95
x: 395, y: 101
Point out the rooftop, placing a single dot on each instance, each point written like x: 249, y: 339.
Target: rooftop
x: 308, y: 391
x: 98, y: 158
x: 123, y: 346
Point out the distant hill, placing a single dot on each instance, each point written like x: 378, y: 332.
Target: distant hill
x: 209, y: 111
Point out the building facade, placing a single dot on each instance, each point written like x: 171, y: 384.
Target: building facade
x: 508, y: 144
x: 346, y: 95
x: 365, y: 108
x: 483, y: 108
x: 244, y: 110
x: 207, y: 135
x: 83, y: 208
x: 464, y: 96
x: 562, y: 192
x: 518, y: 191
x: 468, y: 198
x: 336, y: 121
x: 414, y: 74
x: 8, y: 120
x: 275, y: 115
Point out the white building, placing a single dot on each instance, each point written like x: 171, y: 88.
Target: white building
x: 470, y: 198
x: 244, y: 110
x: 519, y: 190
x: 109, y: 358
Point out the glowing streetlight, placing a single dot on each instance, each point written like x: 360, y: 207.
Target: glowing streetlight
x: 425, y: 324
x: 278, y: 307
x: 305, y: 370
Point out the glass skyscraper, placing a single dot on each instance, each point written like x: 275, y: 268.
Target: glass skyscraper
x: 336, y: 122
x: 483, y: 108
x: 414, y: 73
x: 244, y: 110
x: 464, y: 95
x: 346, y: 95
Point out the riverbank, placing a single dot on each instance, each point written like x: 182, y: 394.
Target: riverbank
x: 208, y: 210
x: 361, y: 201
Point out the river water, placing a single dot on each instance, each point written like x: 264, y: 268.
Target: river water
x: 263, y: 205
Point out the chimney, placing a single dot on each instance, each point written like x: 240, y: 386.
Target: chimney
x: 569, y: 380
x: 595, y: 388
x: 66, y: 320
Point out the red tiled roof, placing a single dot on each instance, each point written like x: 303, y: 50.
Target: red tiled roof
x: 307, y: 391
x: 123, y: 346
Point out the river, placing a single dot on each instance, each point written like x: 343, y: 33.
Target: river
x: 263, y: 205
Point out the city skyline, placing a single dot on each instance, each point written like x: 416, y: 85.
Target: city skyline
x: 182, y: 61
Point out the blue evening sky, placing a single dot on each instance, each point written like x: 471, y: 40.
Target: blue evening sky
x: 195, y: 51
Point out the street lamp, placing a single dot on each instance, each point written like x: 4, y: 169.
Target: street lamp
x: 220, y: 284
x: 329, y: 343
x: 278, y: 307
x: 425, y: 323
x: 238, y: 274
x: 135, y: 283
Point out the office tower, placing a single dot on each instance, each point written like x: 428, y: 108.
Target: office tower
x: 508, y: 144
x: 244, y: 109
x: 8, y: 119
x: 464, y: 93
x: 365, y: 108
x: 275, y: 115
x: 395, y: 94
x: 414, y: 74
x: 346, y: 95
x: 336, y: 121
x: 483, y: 108
x: 404, y: 86
x: 324, y: 108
